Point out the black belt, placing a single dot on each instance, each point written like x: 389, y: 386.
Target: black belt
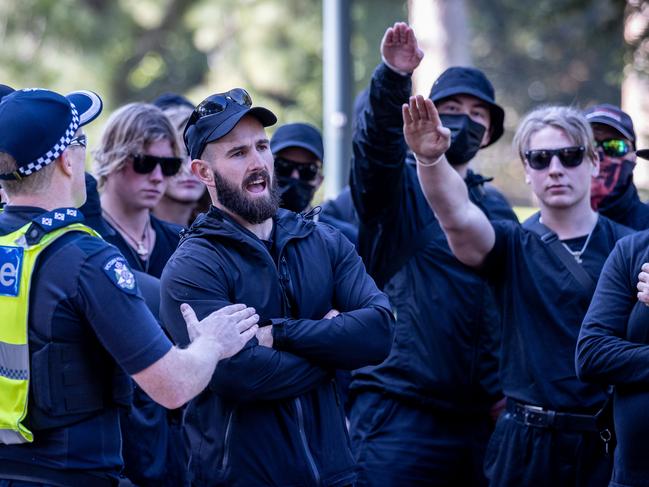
x: 539, y: 417
x: 10, y: 470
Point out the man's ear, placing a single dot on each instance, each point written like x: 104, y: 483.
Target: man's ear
x: 65, y: 163
x: 202, y: 171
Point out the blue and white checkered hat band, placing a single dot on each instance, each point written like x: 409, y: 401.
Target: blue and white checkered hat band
x: 55, y: 151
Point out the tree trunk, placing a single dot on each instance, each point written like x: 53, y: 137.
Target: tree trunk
x: 442, y: 29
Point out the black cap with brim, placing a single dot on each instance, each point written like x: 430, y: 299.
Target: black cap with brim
x: 463, y: 80
x: 211, y: 128
x: 643, y: 153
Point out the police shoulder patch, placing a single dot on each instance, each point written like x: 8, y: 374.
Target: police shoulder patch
x: 120, y: 274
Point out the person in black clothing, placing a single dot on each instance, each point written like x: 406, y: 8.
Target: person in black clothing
x: 422, y: 417
x: 544, y: 272
x: 273, y: 414
x: 137, y: 156
x: 74, y: 309
x: 613, y: 193
x: 299, y: 156
x: 613, y: 349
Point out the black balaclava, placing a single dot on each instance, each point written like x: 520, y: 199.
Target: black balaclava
x: 295, y: 194
x: 466, y: 138
x: 615, y: 176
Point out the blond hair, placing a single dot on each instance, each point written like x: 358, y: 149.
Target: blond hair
x: 128, y: 131
x: 567, y: 119
x: 179, y: 116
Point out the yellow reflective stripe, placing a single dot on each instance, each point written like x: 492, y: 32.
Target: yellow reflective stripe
x: 14, y: 347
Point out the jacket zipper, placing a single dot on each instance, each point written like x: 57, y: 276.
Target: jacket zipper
x: 307, y: 451
x: 226, y: 441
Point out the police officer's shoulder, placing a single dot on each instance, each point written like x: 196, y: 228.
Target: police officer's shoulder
x: 104, y: 259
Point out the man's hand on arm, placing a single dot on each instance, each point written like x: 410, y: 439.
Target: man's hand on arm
x: 399, y: 49
x: 643, y: 284
x: 470, y: 234
x: 181, y: 374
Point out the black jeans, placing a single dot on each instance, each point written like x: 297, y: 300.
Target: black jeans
x: 519, y: 455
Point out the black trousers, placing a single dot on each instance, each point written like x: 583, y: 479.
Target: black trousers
x: 399, y: 444
x: 520, y: 455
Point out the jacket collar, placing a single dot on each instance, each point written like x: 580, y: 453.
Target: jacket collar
x: 620, y: 206
x: 218, y: 224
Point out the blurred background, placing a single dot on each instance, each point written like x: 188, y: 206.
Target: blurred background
x: 578, y: 52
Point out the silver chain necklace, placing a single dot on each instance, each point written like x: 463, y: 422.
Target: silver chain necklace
x: 577, y: 253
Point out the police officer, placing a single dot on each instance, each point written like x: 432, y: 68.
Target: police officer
x: 72, y: 321
x: 422, y: 417
x: 613, y: 192
x: 544, y: 272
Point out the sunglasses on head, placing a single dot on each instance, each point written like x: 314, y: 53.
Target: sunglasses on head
x: 218, y: 102
x: 568, y: 156
x: 285, y: 167
x: 144, y: 164
x: 614, y: 147
x: 79, y: 140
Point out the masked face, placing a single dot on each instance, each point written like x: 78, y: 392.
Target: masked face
x: 295, y: 194
x: 466, y: 138
x: 617, y: 161
x: 613, y: 179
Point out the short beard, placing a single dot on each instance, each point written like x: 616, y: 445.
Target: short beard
x: 254, y: 211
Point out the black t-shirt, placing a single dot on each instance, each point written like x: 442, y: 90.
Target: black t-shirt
x: 167, y: 236
x: 77, y: 292
x: 543, y: 306
x: 613, y: 349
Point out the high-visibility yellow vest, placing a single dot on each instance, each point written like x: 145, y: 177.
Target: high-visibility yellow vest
x: 17, y: 261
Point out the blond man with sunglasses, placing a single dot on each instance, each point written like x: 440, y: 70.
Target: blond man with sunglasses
x: 544, y: 273
x: 137, y: 155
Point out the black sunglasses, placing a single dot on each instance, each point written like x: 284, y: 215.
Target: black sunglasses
x: 80, y: 140
x: 568, y: 156
x: 285, y: 167
x: 145, y: 163
x: 614, y: 147
x: 217, y: 103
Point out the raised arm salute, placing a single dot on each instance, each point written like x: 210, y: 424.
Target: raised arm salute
x: 544, y: 272
x: 469, y: 232
x: 426, y: 411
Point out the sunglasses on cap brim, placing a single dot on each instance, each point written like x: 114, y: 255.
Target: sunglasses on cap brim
x: 218, y: 102
x: 145, y: 164
x: 306, y: 171
x: 614, y: 147
x: 568, y: 156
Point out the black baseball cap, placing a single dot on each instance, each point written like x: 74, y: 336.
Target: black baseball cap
x: 612, y: 116
x: 37, y: 125
x: 168, y: 100
x: 301, y: 135
x: 217, y: 115
x: 462, y: 80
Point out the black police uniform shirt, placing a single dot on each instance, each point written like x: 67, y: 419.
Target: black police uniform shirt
x: 613, y: 348
x: 72, y: 290
x: 543, y: 306
x: 167, y: 236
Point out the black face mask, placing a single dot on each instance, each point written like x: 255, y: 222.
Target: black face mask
x: 295, y: 194
x: 466, y: 138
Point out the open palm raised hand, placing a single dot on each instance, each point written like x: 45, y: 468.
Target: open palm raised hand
x: 399, y: 48
x: 423, y: 130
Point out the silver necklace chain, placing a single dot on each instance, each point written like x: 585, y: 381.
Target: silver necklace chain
x: 577, y: 253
